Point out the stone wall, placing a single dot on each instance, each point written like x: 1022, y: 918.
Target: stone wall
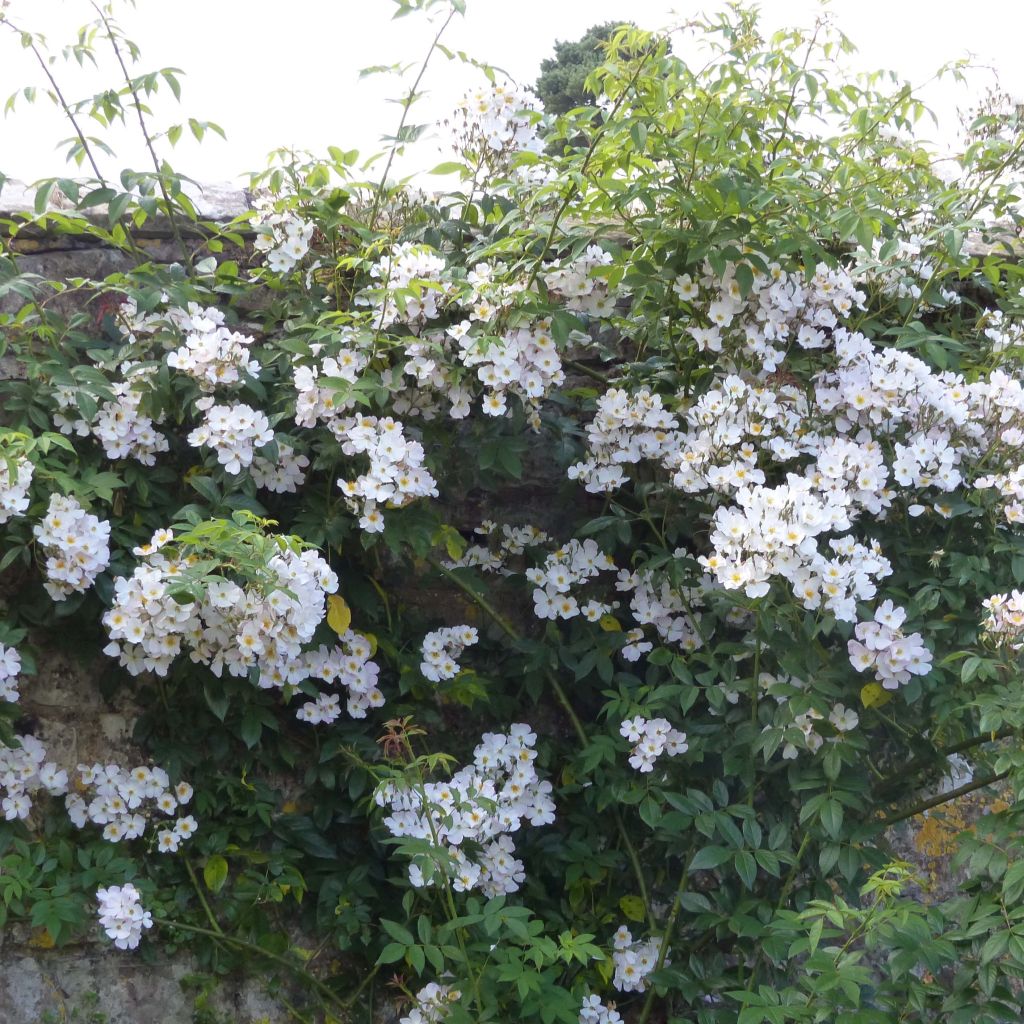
x: 93, y: 983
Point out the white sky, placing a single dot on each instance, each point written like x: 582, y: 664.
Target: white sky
x: 275, y: 73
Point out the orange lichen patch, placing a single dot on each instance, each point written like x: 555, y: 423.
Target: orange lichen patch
x: 41, y: 939
x: 936, y: 832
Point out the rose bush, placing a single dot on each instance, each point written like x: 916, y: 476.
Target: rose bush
x: 554, y: 586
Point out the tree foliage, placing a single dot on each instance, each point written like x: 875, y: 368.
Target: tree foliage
x: 561, y: 84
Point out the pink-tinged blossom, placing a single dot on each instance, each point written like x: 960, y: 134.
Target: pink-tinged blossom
x: 122, y: 915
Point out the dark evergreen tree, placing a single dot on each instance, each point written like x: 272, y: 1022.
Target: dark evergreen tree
x: 560, y: 85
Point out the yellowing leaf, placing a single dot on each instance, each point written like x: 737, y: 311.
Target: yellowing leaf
x: 339, y: 615
x: 454, y: 544
x: 874, y: 696
x: 632, y: 907
x: 372, y: 641
x: 215, y: 872
x: 609, y: 624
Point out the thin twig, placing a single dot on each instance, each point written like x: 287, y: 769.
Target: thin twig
x: 210, y: 916
x: 574, y: 186
x: 251, y: 947
x: 944, y: 798
x: 64, y: 105
x: 666, y: 938
x: 169, y: 207
x: 410, y: 99
x: 928, y: 760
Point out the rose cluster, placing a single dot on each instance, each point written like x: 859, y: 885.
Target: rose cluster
x: 571, y: 565
x: 124, y: 800
x: 15, y: 480
x: 651, y: 738
x: 499, y: 117
x: 318, y: 401
x: 671, y: 610
x: 396, y: 475
x: 235, y: 628
x: 779, y: 309
x: 432, y: 1004
x: 234, y: 432
x: 881, y: 645
x: 10, y: 668
x: 579, y: 286
x: 412, y: 285
x: 76, y: 545
x: 442, y: 649
x: 1004, y: 621
x: 472, y: 816
x: 282, y: 234
x: 633, y: 960
x: 626, y: 430
x: 522, y: 362
x: 348, y: 665
x: 212, y: 355
x: 772, y: 531
x: 23, y: 771
x: 593, y: 1011
x: 282, y: 475
x: 511, y: 541
x: 119, y: 424
x: 903, y: 271
x: 122, y: 915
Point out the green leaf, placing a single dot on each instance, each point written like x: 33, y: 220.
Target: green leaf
x: 391, y: 953
x: 218, y: 703
x: 1013, y: 882
x: 746, y: 867
x: 398, y: 932
x: 251, y: 728
x: 832, y: 817
x: 450, y: 167
x: 709, y: 857
x: 650, y: 811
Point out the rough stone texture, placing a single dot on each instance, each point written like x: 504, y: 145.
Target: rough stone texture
x: 71, y: 985
x: 219, y: 201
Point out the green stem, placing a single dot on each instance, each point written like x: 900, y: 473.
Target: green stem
x: 375, y: 211
x: 484, y: 605
x: 65, y: 107
x: 927, y: 760
x: 797, y: 79
x: 573, y: 188
x: 755, y: 693
x: 251, y: 947
x: 585, y: 370
x: 666, y: 939
x: 133, y: 92
x: 787, y: 885
x: 944, y: 798
x: 367, y: 980
x: 210, y: 916
x: 453, y: 913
